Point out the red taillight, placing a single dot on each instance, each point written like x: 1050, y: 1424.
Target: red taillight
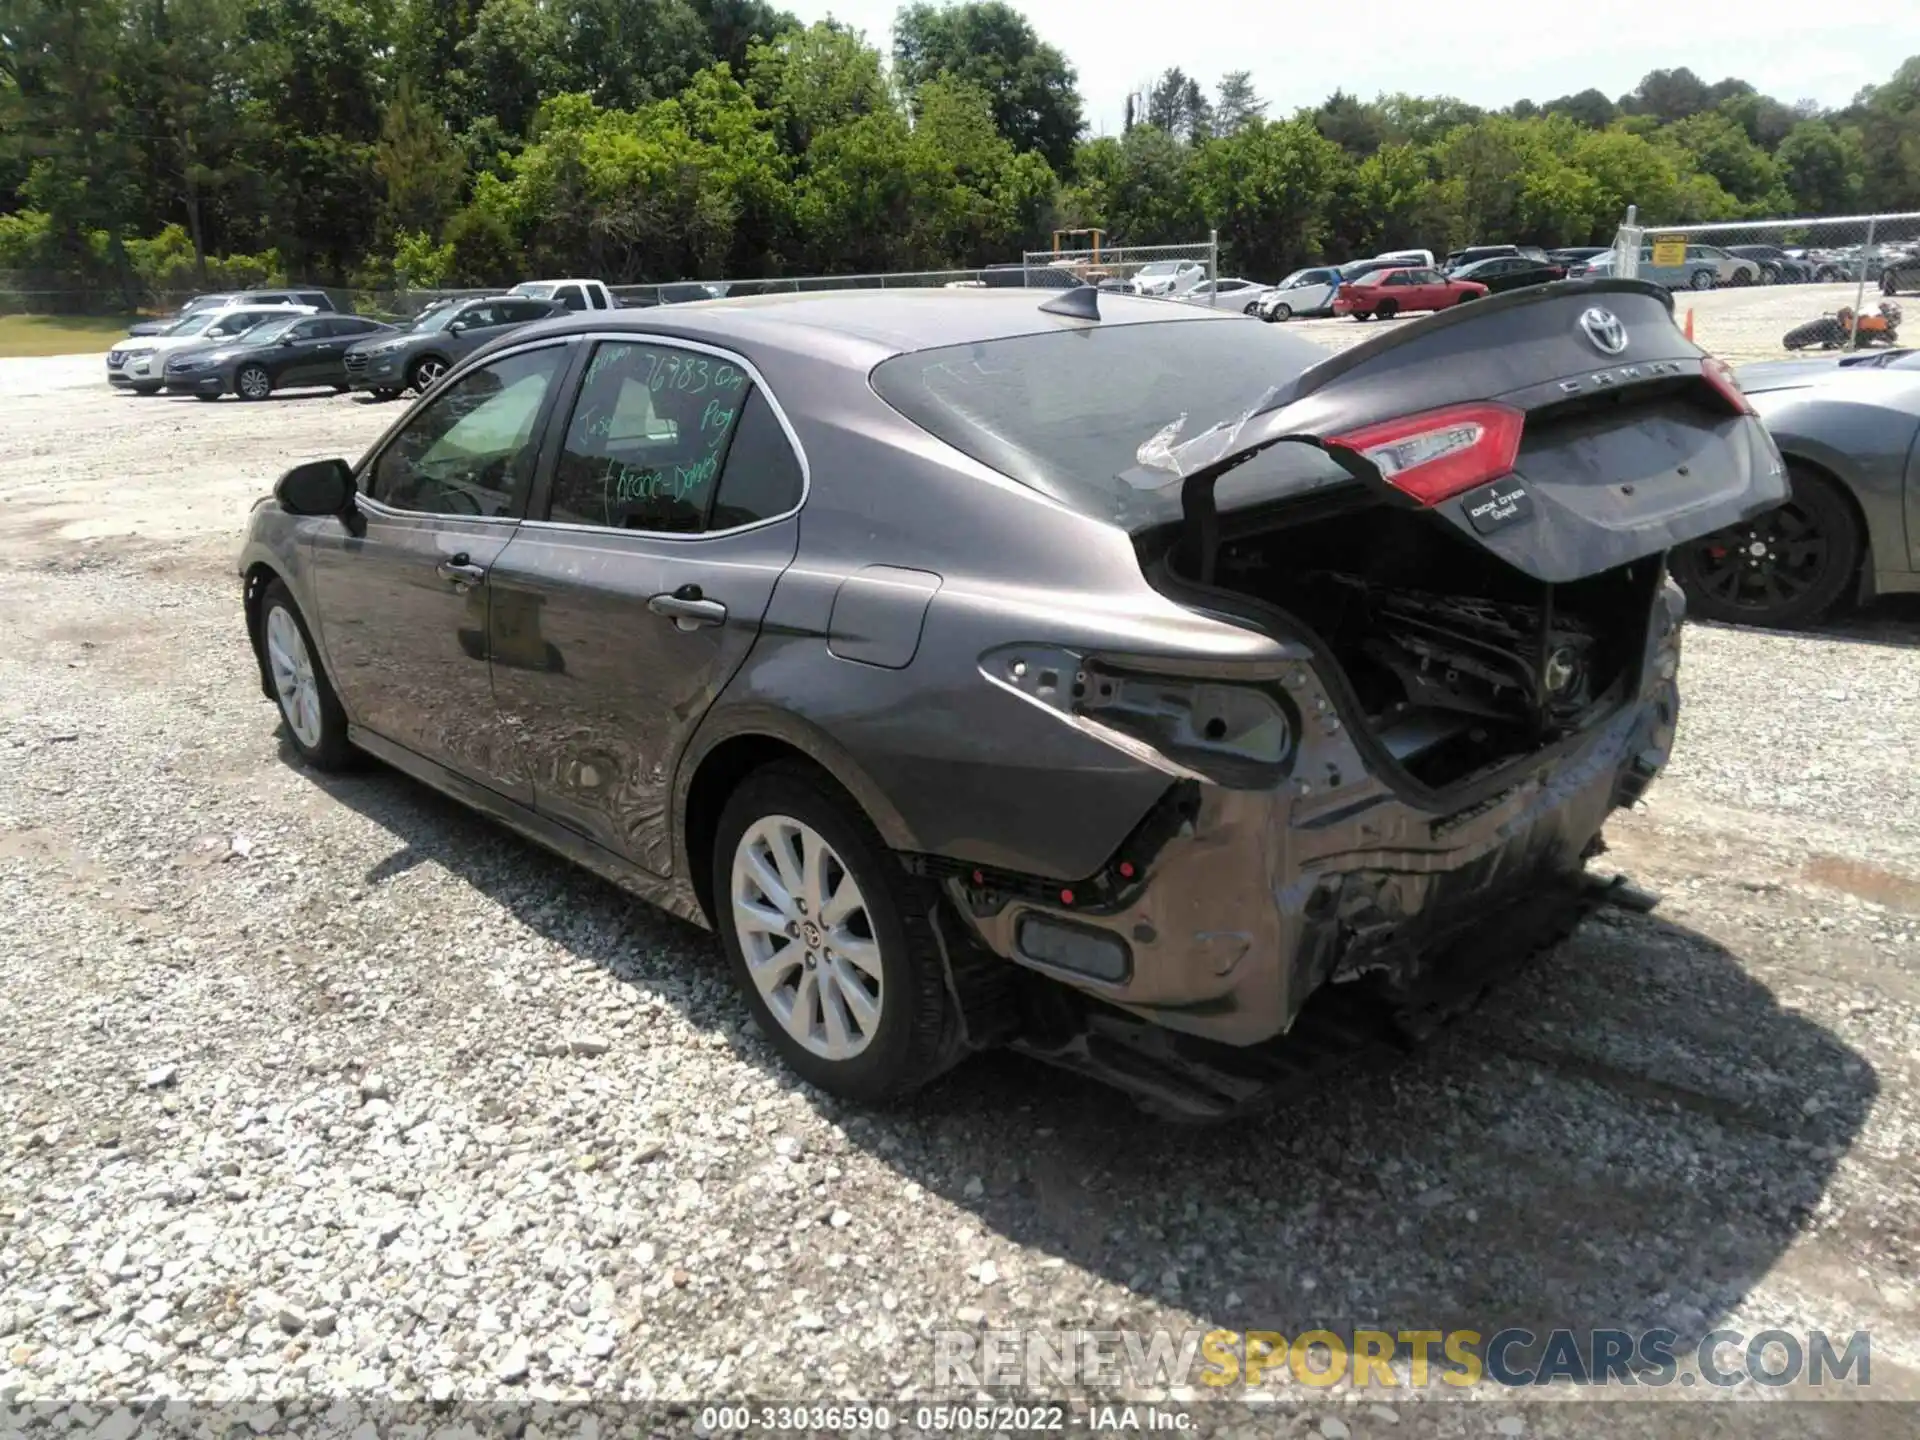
x: 1439, y: 454
x: 1717, y: 373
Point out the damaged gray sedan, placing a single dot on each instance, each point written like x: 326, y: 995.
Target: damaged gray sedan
x: 1087, y: 674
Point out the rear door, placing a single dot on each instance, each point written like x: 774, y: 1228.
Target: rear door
x: 623, y: 607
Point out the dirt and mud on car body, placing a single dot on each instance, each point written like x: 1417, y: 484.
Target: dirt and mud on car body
x: 1454, y: 537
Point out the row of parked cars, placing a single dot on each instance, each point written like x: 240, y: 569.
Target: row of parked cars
x: 1403, y: 281
x: 252, y: 343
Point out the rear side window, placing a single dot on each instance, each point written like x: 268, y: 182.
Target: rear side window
x: 648, y: 438
x: 349, y: 325
x: 761, y: 478
x: 570, y: 296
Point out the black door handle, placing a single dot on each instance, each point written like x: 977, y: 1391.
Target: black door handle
x: 460, y: 570
x: 688, y: 608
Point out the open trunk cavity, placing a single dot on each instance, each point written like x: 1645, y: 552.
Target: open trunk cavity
x: 1456, y: 662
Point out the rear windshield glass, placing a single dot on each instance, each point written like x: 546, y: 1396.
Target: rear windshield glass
x: 1068, y: 411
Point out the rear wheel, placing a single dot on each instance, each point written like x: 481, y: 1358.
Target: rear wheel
x: 253, y: 382
x: 1826, y: 332
x: 202, y: 395
x: 830, y: 938
x: 1387, y: 309
x: 1786, y: 568
x: 385, y: 395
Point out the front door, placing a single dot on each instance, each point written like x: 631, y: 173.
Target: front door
x: 405, y: 605
x: 629, y: 599
x: 310, y: 353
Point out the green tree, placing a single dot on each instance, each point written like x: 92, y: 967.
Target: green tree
x: 1822, y: 167
x: 813, y: 79
x: 1718, y: 146
x: 1267, y: 188
x: 419, y: 163
x: 1237, y: 104
x: 1590, y: 108
x: 990, y: 45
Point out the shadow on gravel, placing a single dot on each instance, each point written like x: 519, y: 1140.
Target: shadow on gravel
x: 1630, y: 1133
x: 1891, y: 620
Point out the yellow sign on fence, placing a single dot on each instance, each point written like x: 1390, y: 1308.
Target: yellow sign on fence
x: 1669, y: 249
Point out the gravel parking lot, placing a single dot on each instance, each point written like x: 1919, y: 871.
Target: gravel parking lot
x: 317, y: 1085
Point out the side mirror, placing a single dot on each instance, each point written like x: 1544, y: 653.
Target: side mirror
x: 319, y: 487
x: 456, y: 327
x: 287, y: 340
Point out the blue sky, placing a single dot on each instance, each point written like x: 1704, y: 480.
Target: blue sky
x: 1794, y: 51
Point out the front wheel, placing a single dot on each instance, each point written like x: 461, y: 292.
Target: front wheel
x: 315, y: 721
x: 1784, y: 569
x: 1280, y: 312
x: 1702, y: 280
x: 1741, y: 277
x: 253, y: 382
x: 384, y: 395
x: 830, y: 938
x: 426, y: 373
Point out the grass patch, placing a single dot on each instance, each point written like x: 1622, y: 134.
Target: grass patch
x: 61, y: 334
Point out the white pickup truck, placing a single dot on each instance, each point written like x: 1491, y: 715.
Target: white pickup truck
x: 574, y: 294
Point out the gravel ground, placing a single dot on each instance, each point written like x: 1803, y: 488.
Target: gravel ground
x: 319, y: 1086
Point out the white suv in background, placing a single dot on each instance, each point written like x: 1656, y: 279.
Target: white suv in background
x: 137, y: 364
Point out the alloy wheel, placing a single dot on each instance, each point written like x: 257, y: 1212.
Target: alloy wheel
x: 1768, y: 563
x: 807, y: 937
x: 293, y: 678
x: 426, y: 374
x: 254, y: 383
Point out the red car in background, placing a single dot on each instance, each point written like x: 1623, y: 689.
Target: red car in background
x: 1387, y: 293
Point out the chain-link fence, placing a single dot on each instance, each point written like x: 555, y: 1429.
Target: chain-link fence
x: 1821, y: 282
x: 1179, y: 272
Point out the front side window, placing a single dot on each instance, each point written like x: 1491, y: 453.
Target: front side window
x: 647, y: 438
x: 478, y: 317
x: 306, y: 330
x: 471, y: 450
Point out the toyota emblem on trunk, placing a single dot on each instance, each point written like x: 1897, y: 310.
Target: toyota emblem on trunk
x: 1604, y: 329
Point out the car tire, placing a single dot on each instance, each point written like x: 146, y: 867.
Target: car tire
x: 1281, y: 313
x: 202, y: 395
x: 425, y: 372
x: 1888, y: 285
x: 1721, y: 585
x: 315, y: 722
x: 1702, y: 280
x: 889, y: 1015
x: 1466, y: 297
x: 1742, y: 276
x: 146, y: 390
x: 383, y: 396
x: 252, y: 382
x: 1387, y: 309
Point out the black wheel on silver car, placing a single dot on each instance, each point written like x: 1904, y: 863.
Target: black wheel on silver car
x: 253, y: 382
x: 830, y: 938
x: 1785, y: 569
x: 1702, y: 280
x: 315, y: 722
x: 426, y: 371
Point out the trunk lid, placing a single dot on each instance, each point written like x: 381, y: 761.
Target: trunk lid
x: 1570, y: 428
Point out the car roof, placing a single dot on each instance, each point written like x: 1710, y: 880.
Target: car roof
x: 860, y: 328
